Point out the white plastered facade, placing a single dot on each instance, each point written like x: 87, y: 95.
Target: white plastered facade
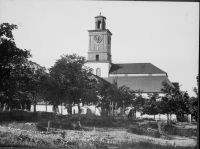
x: 104, y: 67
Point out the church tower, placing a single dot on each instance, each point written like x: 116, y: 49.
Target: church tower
x: 99, y: 52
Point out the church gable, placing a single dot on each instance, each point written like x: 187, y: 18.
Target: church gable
x: 135, y: 68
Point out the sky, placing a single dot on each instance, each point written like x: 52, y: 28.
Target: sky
x: 165, y: 34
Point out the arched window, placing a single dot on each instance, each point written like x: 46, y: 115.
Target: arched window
x: 99, y: 24
x: 98, y: 72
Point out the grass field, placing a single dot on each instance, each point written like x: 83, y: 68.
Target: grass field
x: 96, y: 132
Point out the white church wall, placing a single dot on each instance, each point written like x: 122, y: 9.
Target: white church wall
x: 93, y: 109
x: 49, y: 108
x: 103, y: 66
x: 64, y: 110
x: 97, y: 111
x: 157, y: 117
x: 45, y: 108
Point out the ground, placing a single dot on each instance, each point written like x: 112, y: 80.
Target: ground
x: 93, y: 135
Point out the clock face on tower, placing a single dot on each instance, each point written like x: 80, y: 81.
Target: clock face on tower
x: 97, y: 38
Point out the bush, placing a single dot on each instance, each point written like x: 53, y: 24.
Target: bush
x: 144, y: 131
x: 136, y: 130
x: 17, y: 115
x: 170, y: 129
x: 186, y: 132
x: 149, y: 119
x: 152, y: 125
x: 4, y: 117
x: 92, y: 120
x: 153, y: 133
x: 41, y: 128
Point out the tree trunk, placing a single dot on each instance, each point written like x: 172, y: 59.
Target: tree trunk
x: 35, y: 102
x: 167, y: 117
x: 103, y: 111
x: 154, y: 117
x: 61, y: 109
x: 69, y: 109
x: 21, y: 106
x: 46, y: 106
x: 181, y: 117
x: 79, y: 108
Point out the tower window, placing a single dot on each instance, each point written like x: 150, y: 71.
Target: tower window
x: 98, y: 72
x: 99, y: 24
x: 97, y: 57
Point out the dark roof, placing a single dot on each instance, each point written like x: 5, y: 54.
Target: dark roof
x: 176, y: 84
x: 146, y: 84
x: 135, y: 68
x: 100, y: 16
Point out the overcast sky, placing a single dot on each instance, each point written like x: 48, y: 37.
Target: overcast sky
x: 165, y: 34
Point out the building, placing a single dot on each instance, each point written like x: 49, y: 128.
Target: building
x: 137, y: 76
x: 142, y: 77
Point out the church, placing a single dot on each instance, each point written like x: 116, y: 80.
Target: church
x: 144, y: 77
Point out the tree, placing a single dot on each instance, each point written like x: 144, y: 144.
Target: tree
x: 138, y: 102
x: 150, y: 107
x: 102, y: 90
x: 34, y: 83
x: 70, y: 80
x: 193, y: 107
x: 174, y: 101
x: 13, y: 64
x: 108, y: 93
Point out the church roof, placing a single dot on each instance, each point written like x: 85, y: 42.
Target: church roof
x: 135, y: 68
x: 146, y: 84
x: 100, y: 16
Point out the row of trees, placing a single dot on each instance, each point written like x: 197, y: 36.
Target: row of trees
x: 173, y: 101
x: 68, y: 83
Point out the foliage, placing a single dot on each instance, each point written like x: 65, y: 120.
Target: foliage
x: 150, y: 107
x: 103, y: 89
x: 17, y: 115
x: 138, y: 102
x: 121, y: 96
x: 144, y: 131
x: 195, y: 89
x: 19, y: 77
x: 69, y: 81
x: 174, y: 101
x: 136, y: 130
x: 13, y: 64
x: 193, y: 107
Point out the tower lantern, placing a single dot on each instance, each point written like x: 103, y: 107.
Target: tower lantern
x: 100, y: 22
